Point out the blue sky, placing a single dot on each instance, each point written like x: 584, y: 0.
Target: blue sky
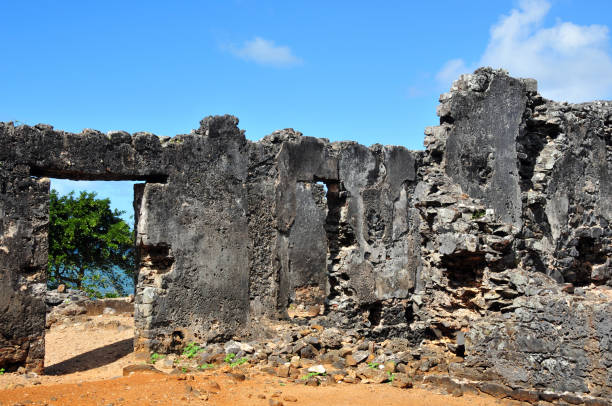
x: 358, y: 70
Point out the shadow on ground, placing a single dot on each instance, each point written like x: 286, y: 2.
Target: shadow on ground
x: 93, y: 359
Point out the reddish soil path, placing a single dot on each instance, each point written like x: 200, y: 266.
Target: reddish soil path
x: 208, y: 389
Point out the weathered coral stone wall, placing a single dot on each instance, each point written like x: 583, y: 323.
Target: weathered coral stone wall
x: 24, y: 215
x: 192, y: 233
x: 193, y: 243
x: 340, y: 237
x: 495, y: 240
x: 537, y: 174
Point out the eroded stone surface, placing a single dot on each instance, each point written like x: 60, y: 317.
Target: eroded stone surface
x: 493, y: 244
x: 24, y: 206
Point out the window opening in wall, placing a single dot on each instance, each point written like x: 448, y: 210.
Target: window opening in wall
x: 339, y: 234
x: 91, y: 237
x: 324, y: 186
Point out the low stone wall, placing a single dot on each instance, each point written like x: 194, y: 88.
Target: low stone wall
x: 550, y: 341
x: 71, y: 303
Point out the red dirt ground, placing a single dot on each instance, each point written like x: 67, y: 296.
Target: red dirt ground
x: 85, y: 361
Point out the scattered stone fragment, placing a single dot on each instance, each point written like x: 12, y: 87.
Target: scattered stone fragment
x: 572, y: 399
x: 389, y: 366
x: 525, y: 395
x: 212, y: 387
x: 236, y: 376
x: 401, y: 381
x: 140, y: 368
x: 283, y: 370
x: 318, y: 369
x: 358, y: 357
x: 495, y: 389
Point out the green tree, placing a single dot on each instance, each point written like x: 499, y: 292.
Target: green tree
x: 90, y: 247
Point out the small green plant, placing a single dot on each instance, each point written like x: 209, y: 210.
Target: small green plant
x: 391, y: 376
x: 155, y: 357
x: 373, y: 365
x: 191, y: 350
x: 311, y: 374
x: 233, y: 361
x: 205, y: 366
x: 238, y: 361
x: 1, y: 371
x: 184, y: 370
x: 478, y: 214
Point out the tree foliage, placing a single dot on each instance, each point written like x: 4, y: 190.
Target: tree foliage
x: 90, y: 247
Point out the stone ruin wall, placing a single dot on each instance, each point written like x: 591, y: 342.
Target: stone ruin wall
x: 491, y: 239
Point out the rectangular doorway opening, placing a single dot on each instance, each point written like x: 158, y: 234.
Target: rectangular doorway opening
x: 90, y: 278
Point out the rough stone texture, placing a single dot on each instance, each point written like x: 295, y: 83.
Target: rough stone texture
x: 486, y: 273
x: 486, y: 113
x: 24, y: 207
x: 63, y: 305
x: 192, y: 239
x: 549, y: 341
x: 493, y: 245
x: 192, y: 234
x: 330, y: 238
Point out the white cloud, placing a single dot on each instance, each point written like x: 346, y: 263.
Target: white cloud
x: 451, y: 71
x: 571, y: 62
x: 265, y: 52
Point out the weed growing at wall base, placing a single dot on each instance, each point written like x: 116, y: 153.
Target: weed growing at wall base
x: 311, y: 374
x: 155, y: 357
x: 191, y: 350
x: 233, y: 361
